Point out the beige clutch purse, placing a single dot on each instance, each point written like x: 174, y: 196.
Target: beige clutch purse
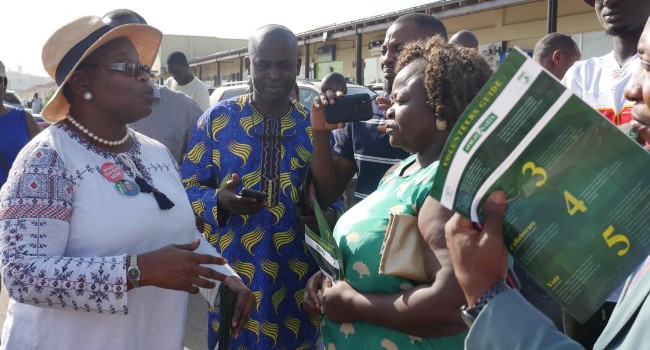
x: 401, y: 253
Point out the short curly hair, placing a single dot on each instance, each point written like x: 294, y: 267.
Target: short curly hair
x: 452, y: 77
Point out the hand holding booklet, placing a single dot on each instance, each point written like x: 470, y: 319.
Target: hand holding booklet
x: 578, y: 193
x: 323, y: 247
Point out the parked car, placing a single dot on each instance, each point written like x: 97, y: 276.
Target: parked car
x: 309, y: 89
x: 376, y: 87
x: 228, y: 90
x: 42, y: 124
x: 11, y: 98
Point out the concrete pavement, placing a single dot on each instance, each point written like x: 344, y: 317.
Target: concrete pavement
x: 195, y: 326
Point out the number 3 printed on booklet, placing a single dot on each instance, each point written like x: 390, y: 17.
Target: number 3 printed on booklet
x: 575, y: 205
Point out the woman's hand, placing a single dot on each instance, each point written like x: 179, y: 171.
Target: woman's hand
x: 244, y: 304
x: 311, y: 302
x: 318, y: 123
x: 338, y: 301
x: 177, y: 267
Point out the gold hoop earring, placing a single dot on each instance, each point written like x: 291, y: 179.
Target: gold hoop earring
x: 441, y: 124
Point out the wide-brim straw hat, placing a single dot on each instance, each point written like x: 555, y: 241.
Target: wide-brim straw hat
x: 73, y: 42
x: 590, y: 2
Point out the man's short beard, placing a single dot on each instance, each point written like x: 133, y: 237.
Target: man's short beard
x: 624, y: 31
x: 617, y: 31
x: 388, y: 86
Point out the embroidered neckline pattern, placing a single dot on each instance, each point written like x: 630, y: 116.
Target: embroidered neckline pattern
x: 286, y: 124
x: 134, y: 152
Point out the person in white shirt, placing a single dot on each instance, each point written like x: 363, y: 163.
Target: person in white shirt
x: 600, y: 81
x: 99, y: 245
x: 37, y: 103
x: 184, y: 81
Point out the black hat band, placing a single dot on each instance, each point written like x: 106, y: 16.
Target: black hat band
x: 74, y: 54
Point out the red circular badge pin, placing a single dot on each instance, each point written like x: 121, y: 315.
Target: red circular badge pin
x: 112, y: 172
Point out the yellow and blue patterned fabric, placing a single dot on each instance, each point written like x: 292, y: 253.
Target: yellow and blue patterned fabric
x: 267, y: 249
x: 360, y: 235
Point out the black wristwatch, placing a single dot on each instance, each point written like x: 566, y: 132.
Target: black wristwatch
x: 469, y: 314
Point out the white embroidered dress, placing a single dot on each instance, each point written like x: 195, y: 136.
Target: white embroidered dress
x: 66, y: 232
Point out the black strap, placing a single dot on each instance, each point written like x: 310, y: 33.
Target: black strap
x: 71, y: 58
x: 227, y: 301
x: 4, y: 166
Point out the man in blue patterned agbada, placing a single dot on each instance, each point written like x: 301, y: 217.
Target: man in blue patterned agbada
x: 261, y: 141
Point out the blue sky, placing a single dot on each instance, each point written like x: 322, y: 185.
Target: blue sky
x: 28, y: 24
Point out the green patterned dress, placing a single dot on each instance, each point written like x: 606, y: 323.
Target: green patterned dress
x: 360, y: 234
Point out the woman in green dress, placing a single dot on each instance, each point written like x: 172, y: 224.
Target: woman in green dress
x: 369, y: 310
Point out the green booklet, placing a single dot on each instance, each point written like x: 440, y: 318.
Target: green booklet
x: 323, y: 247
x: 578, y: 190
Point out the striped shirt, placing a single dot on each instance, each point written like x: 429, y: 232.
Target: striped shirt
x: 361, y: 143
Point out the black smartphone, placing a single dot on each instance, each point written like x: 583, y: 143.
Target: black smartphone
x: 350, y: 108
x: 247, y: 192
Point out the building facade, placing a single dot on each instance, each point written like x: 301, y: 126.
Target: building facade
x: 352, y: 48
x: 194, y: 47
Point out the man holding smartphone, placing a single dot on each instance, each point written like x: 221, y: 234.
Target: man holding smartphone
x: 244, y: 166
x: 359, y: 147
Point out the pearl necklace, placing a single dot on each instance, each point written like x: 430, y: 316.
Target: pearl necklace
x: 95, y: 137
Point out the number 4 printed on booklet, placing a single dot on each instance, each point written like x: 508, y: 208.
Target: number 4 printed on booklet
x: 575, y: 205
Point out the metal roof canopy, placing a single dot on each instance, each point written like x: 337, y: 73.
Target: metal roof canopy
x: 442, y: 9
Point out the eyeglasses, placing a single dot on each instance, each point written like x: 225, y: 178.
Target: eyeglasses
x: 130, y: 68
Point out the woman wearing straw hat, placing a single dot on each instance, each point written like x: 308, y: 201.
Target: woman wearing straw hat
x: 98, y: 243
